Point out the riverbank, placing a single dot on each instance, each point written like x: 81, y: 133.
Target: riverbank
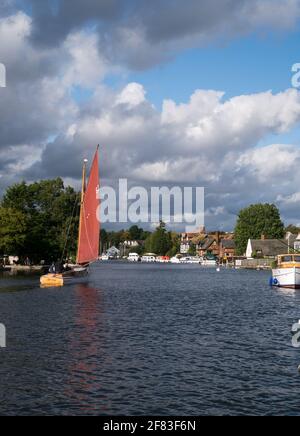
x: 23, y: 269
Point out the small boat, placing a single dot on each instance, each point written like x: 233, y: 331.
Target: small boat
x: 209, y: 262
x: 175, y: 259
x: 133, y: 257
x: 190, y: 260
x: 149, y: 258
x: 89, y: 230
x: 163, y: 259
x: 287, y: 273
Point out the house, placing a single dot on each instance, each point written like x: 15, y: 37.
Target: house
x: 297, y: 243
x: 227, y: 249
x: 208, y: 244
x: 131, y: 244
x: 187, y: 239
x: 113, y: 253
x: 126, y: 246
x: 208, y: 247
x: 269, y: 248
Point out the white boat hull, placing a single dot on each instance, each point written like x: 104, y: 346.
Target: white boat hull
x: 209, y: 263
x: 287, y: 278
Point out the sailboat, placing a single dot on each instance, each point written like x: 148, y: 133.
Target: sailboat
x: 89, y: 231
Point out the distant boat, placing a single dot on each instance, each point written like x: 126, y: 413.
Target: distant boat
x: 209, y: 262
x: 287, y: 274
x: 133, y: 257
x: 149, y: 258
x: 89, y: 231
x: 175, y: 259
x: 190, y: 260
x: 163, y: 259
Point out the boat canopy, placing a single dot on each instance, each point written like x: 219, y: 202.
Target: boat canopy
x: 289, y: 258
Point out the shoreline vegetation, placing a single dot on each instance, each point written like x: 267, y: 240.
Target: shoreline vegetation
x: 39, y: 223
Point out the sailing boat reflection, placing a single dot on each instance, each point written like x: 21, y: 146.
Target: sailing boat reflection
x: 86, y: 350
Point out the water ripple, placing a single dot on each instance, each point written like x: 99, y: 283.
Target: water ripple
x: 150, y: 339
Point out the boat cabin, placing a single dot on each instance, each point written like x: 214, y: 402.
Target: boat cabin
x: 289, y: 260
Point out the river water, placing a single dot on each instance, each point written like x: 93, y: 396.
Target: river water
x: 150, y: 340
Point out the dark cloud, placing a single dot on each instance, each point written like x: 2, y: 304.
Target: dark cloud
x: 173, y: 19
x: 142, y: 33
x: 54, y: 20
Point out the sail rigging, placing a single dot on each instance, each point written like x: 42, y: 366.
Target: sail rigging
x: 89, y: 227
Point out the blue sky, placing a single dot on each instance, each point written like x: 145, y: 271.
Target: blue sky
x: 79, y: 76
x: 255, y: 63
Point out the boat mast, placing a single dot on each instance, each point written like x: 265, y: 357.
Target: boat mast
x: 83, y: 187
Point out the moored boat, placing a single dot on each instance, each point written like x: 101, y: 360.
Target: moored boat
x: 89, y: 230
x: 190, y: 260
x: 149, y: 258
x: 133, y: 257
x: 287, y: 273
x: 209, y: 262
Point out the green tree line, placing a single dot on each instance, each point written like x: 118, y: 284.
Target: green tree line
x: 35, y: 219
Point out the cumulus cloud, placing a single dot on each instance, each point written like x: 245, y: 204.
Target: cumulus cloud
x: 208, y: 141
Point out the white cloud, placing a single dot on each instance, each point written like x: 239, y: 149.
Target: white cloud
x: 86, y: 66
x: 290, y: 199
x: 13, y: 31
x: 132, y: 95
x: 274, y: 162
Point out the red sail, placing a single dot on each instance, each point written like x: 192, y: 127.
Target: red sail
x: 88, y: 244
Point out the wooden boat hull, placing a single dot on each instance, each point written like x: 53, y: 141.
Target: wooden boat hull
x: 286, y: 278
x: 76, y: 275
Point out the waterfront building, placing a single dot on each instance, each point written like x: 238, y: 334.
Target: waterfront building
x: 297, y: 243
x: 113, y: 253
x: 270, y: 248
x: 227, y: 249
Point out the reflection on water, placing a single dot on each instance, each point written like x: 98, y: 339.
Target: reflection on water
x: 287, y: 292
x: 84, y: 347
x: 149, y: 340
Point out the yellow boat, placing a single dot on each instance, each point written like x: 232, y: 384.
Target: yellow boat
x: 89, y: 231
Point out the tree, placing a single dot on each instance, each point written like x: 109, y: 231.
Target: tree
x: 135, y: 233
x: 13, y: 228
x: 292, y: 229
x: 255, y: 221
x: 160, y: 242
x: 175, y: 249
x: 103, y: 240
x: 192, y: 250
x: 51, y: 214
